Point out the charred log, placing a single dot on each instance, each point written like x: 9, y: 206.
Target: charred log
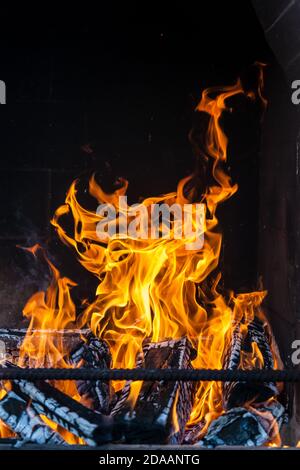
x: 25, y: 421
x: 162, y: 409
x: 236, y: 394
x: 93, y: 353
x: 93, y: 427
x: 259, y: 334
x: 245, y: 427
x: 191, y: 435
x: 13, y: 339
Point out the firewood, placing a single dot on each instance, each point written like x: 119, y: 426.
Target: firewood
x: 191, y: 435
x: 162, y: 408
x: 13, y: 339
x: 245, y: 426
x: 25, y: 421
x: 93, y: 353
x: 258, y: 333
x: 93, y: 427
x: 236, y: 394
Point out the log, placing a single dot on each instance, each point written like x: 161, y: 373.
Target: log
x: 90, y: 352
x: 13, y: 339
x: 93, y: 353
x: 258, y: 333
x: 191, y: 435
x: 236, y: 394
x: 93, y: 427
x: 245, y: 426
x: 162, y: 408
x: 25, y: 421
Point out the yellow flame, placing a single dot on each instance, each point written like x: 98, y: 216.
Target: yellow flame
x: 4, y: 430
x: 48, y: 312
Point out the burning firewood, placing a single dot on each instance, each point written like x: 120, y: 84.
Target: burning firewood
x: 12, y: 340
x: 162, y: 409
x: 245, y: 426
x: 25, y: 421
x: 93, y: 353
x: 259, y: 333
x: 93, y: 427
x: 89, y: 353
x: 237, y: 394
x: 191, y: 435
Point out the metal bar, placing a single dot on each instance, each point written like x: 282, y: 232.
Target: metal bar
x: 255, y: 375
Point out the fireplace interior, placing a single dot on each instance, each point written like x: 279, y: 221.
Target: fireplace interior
x: 139, y: 112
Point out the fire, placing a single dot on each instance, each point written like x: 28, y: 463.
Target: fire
x: 149, y: 288
x: 4, y: 430
x: 48, y: 312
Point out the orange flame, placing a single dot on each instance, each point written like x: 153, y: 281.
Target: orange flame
x: 4, y: 430
x: 48, y: 312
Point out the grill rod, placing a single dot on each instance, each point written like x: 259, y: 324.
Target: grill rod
x: 220, y: 375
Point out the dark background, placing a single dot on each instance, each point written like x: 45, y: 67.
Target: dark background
x: 115, y: 93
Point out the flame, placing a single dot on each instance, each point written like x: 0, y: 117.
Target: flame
x: 31, y: 249
x: 175, y: 422
x: 4, y: 430
x: 70, y: 438
x: 49, y: 312
x: 148, y: 288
